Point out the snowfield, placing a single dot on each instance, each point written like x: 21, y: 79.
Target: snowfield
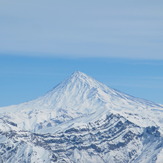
x: 82, y: 120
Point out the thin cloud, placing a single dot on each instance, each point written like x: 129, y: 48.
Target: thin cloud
x: 82, y: 29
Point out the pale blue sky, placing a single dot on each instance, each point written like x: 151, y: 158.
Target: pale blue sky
x: 118, y: 42
x: 88, y: 28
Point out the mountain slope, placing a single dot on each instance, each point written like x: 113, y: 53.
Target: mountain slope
x: 82, y: 120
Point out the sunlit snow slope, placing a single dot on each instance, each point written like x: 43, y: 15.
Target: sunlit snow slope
x: 82, y: 120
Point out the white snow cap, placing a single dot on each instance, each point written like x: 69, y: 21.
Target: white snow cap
x: 82, y: 96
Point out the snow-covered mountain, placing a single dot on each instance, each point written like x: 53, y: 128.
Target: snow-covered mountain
x: 82, y: 120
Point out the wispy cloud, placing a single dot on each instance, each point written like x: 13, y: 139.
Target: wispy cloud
x: 126, y: 29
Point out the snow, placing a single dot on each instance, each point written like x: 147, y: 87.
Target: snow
x: 160, y: 157
x: 81, y: 97
x: 39, y: 155
x: 76, y: 102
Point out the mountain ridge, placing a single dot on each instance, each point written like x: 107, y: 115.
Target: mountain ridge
x: 82, y: 120
x: 80, y: 95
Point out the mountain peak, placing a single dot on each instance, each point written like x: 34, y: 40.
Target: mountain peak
x: 78, y: 78
x: 78, y: 74
x: 79, y: 96
x: 100, y: 122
